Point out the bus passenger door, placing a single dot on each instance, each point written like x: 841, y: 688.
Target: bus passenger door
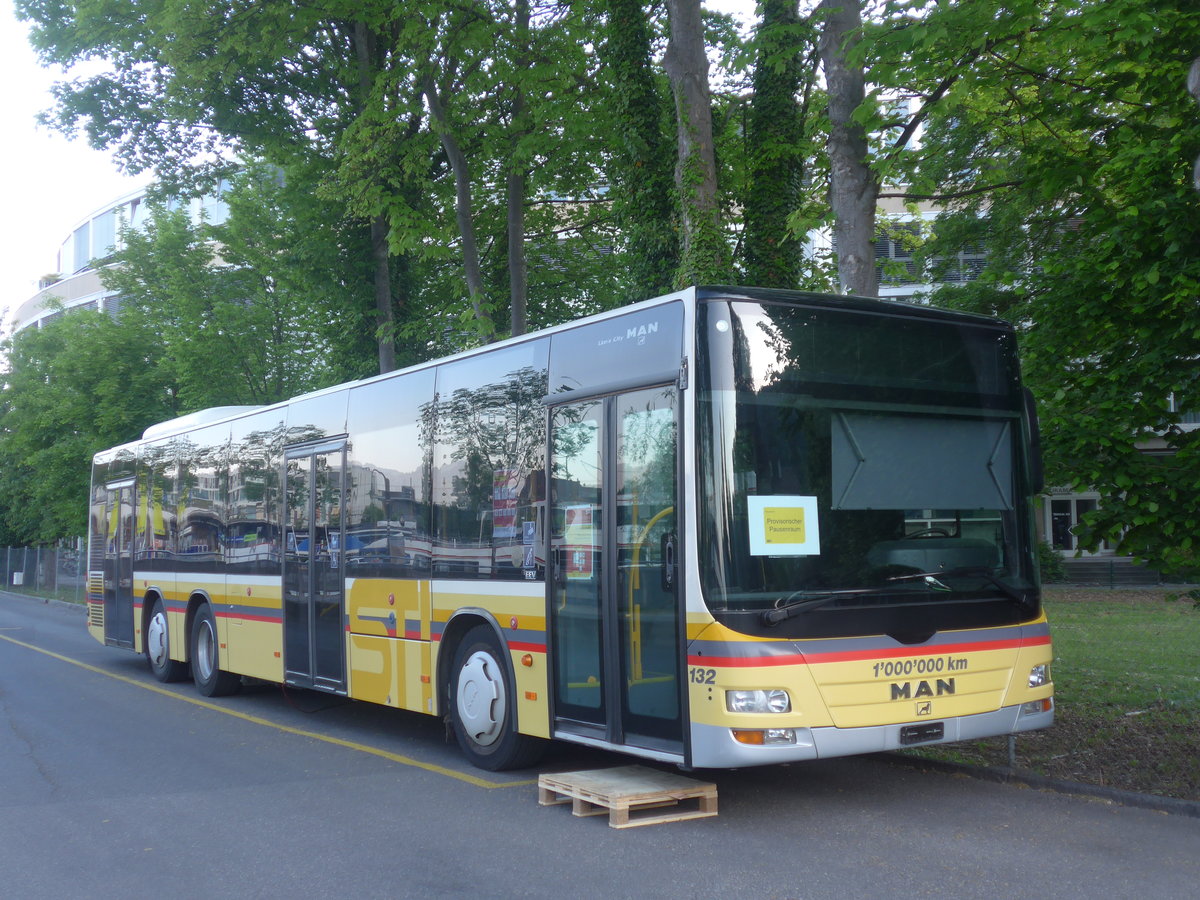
x: 613, y: 586
x: 314, y: 649
x: 118, y: 565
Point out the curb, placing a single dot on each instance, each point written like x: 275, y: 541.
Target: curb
x: 45, y: 601
x: 1004, y: 775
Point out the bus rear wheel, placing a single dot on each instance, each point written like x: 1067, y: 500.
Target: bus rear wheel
x: 482, y: 706
x: 210, y: 680
x: 158, y: 647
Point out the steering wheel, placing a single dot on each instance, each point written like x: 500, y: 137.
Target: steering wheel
x: 928, y: 532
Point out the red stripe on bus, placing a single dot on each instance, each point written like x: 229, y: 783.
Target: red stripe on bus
x: 530, y: 648
x: 276, y: 620
x: 797, y: 659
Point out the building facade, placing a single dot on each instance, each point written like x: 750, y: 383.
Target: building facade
x: 88, y: 248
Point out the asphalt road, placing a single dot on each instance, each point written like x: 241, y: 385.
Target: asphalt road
x: 112, y: 785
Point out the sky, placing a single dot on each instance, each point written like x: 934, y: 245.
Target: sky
x: 52, y: 183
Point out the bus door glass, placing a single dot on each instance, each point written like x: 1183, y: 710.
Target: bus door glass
x: 313, y: 568
x: 118, y: 565
x: 614, y: 595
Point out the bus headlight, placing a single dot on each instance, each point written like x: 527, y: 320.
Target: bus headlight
x: 774, y: 701
x: 1039, y: 675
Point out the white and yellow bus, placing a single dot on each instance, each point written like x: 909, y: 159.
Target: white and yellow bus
x: 724, y: 527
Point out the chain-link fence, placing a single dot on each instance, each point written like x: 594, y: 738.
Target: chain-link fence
x: 52, y: 572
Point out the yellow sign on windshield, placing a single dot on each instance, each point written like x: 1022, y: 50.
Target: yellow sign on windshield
x: 783, y: 525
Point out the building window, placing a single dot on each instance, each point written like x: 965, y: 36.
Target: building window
x: 1063, y: 517
x: 894, y: 254
x: 104, y: 234
x: 964, y: 266
x: 1175, y: 405
x: 82, y: 247
x: 897, y: 260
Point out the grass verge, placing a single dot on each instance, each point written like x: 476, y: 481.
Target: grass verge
x: 1127, y: 694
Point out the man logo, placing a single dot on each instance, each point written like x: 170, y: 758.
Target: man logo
x: 925, y: 709
x: 904, y: 690
x: 639, y: 332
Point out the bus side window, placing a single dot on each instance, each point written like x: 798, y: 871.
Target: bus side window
x: 489, y: 456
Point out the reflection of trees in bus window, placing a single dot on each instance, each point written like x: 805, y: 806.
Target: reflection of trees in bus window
x: 158, y: 506
x: 252, y: 534
x: 313, y: 418
x: 488, y: 459
x: 202, y: 495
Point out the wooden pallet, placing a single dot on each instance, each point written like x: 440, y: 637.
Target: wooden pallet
x: 632, y: 795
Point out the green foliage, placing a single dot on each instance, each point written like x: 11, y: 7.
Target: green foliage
x: 272, y: 317
x: 1067, y: 152
x: 78, y: 384
x: 247, y: 326
x: 1191, y: 596
x: 641, y: 164
x: 780, y: 136
x: 1050, y: 564
x: 1057, y: 134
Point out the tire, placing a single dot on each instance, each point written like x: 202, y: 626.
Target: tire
x: 158, y: 647
x: 206, y: 658
x: 482, y: 706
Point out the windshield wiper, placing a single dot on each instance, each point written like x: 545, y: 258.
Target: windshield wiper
x: 932, y: 582
x: 931, y: 579
x: 810, y: 601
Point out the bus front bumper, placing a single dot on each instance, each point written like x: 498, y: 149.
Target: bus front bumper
x: 716, y: 747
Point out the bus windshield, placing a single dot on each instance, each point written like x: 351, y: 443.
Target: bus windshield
x: 860, y: 472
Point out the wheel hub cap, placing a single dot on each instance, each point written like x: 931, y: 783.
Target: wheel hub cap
x: 156, y: 639
x: 481, y: 698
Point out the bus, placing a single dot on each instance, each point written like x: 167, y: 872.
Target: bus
x: 725, y: 527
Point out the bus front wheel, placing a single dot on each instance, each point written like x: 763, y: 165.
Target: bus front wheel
x: 481, y: 706
x: 210, y: 680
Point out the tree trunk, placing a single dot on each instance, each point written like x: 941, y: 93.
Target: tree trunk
x: 853, y: 190
x: 472, y: 270
x: 385, y: 325
x: 704, y: 253
x: 384, y: 317
x: 518, y: 276
x: 640, y: 167
x: 775, y: 164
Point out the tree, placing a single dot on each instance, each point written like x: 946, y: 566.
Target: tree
x: 1065, y: 149
x: 243, y: 327
x: 641, y: 162
x: 853, y: 187
x: 784, y: 79
x: 203, y: 82
x: 78, y: 384
x: 704, y: 255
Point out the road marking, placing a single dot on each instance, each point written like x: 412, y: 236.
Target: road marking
x: 300, y: 732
